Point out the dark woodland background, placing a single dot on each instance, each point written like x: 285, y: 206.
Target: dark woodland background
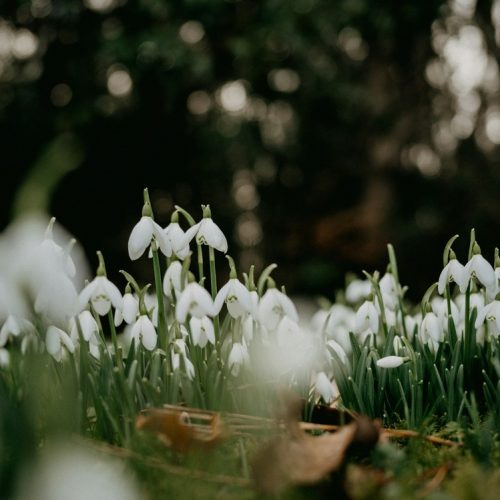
x: 318, y: 130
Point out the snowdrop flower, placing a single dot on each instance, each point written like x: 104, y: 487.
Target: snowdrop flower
x: 143, y: 331
x: 248, y: 326
x: 237, y: 357
x: 357, y: 290
x: 287, y: 330
x: 194, y: 300
x: 202, y: 331
x: 207, y: 232
x: 11, y: 328
x: 172, y: 281
x: 453, y: 271
x: 88, y: 326
x: 273, y: 306
x: 339, y: 351
x: 101, y: 292
x: 177, y: 237
x: 143, y: 234
x: 328, y: 390
x: 478, y: 267
x: 57, y: 339
x: 490, y: 313
x: 388, y: 284
x: 475, y: 300
x: 440, y: 308
x: 180, y: 359
x: 411, y: 323
x: 52, y: 250
x: 430, y: 329
x: 366, y: 317
x: 129, y: 309
x: 235, y: 294
x: 391, y: 361
x: 4, y: 358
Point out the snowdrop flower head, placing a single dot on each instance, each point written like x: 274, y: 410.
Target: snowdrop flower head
x: 177, y: 237
x: 202, y: 331
x: 430, y: 329
x: 453, y: 271
x: 357, y: 290
x: 478, y: 267
x: 88, y: 325
x: 56, y: 340
x: 10, y: 328
x: 235, y: 294
x: 207, y: 232
x: 366, y: 317
x: 327, y: 389
x: 101, y: 292
x: 274, y: 305
x: 129, y: 310
x: 491, y: 313
x: 173, y: 281
x: 388, y: 284
x: 143, y: 331
x: 144, y: 232
x: 237, y: 357
x: 391, y: 361
x: 194, y: 300
x: 339, y: 351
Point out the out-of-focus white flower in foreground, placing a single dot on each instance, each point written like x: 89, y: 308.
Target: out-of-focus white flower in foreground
x: 73, y: 472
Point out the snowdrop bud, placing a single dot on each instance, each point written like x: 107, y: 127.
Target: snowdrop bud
x: 391, y: 361
x: 143, y: 331
x: 55, y: 340
x: 325, y: 388
x: 237, y: 357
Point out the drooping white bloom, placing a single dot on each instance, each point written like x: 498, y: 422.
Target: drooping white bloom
x: 207, y: 232
x: 357, y: 290
x: 328, y: 391
x: 339, y: 351
x: 173, y: 282
x: 440, y: 308
x: 475, y: 300
x: 142, y: 235
x: 101, y: 293
x: 88, y: 325
x: 273, y: 306
x: 287, y: 330
x: 478, y: 267
x: 453, y: 271
x: 51, y: 250
x: 202, y: 331
x: 388, y: 284
x: 4, y: 358
x: 237, y: 357
x: 129, y: 310
x: 177, y: 238
x: 390, y: 362
x: 366, y: 317
x: 11, y: 328
x: 180, y: 359
x: 196, y: 301
x: 143, y: 331
x: 411, y: 325
x: 56, y: 340
x: 236, y: 296
x: 430, y: 329
x: 491, y: 313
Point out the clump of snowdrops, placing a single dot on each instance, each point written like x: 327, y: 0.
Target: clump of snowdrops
x: 110, y: 349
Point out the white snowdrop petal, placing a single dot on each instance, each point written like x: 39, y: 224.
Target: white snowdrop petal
x: 390, y: 362
x: 148, y: 333
x: 140, y: 237
x: 113, y: 293
x: 221, y: 297
x: 53, y: 341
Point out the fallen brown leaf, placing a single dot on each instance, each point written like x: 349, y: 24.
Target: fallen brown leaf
x: 174, y: 428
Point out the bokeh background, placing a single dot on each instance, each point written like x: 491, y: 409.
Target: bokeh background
x: 318, y: 130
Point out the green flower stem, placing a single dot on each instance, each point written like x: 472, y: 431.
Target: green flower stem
x: 200, y: 264
x: 213, y: 286
x: 114, y: 339
x: 162, y: 324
